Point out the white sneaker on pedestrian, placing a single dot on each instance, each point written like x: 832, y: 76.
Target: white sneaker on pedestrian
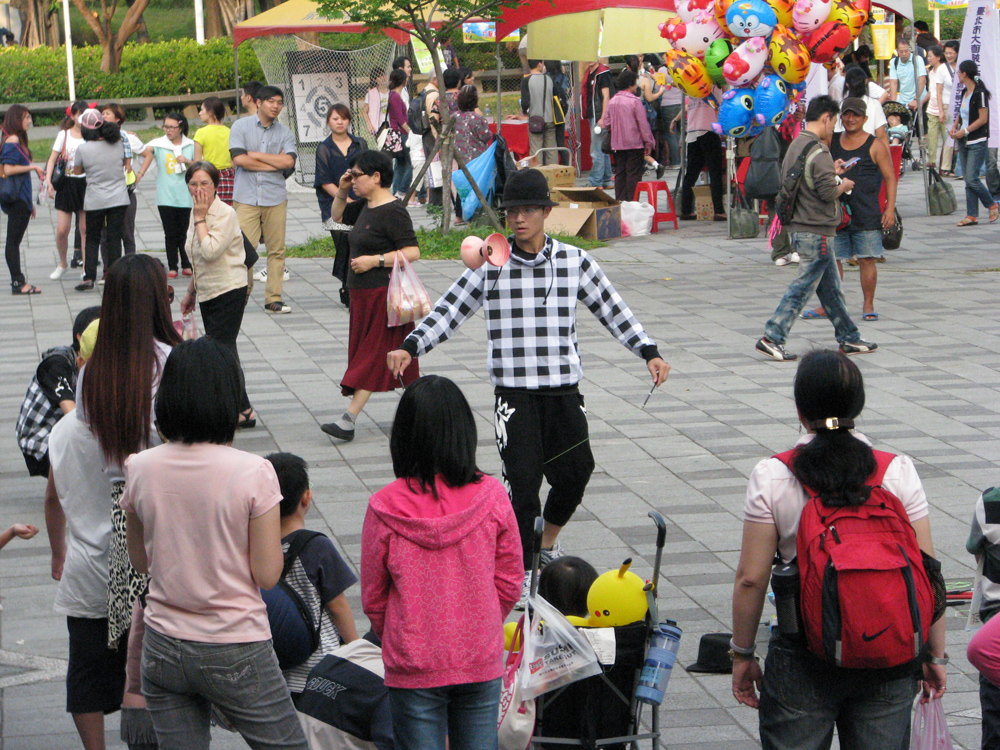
x: 552, y: 553
x: 261, y: 275
x: 525, y: 592
x: 782, y: 261
x: 793, y: 258
x: 57, y: 274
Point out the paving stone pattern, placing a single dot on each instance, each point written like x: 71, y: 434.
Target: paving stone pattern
x: 931, y: 392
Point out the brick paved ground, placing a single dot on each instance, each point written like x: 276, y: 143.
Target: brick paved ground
x: 932, y: 393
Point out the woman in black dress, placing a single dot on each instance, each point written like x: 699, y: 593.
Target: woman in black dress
x: 381, y: 228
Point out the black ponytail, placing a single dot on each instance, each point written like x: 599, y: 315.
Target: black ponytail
x: 829, y: 394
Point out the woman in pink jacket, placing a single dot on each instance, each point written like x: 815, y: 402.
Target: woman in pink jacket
x: 440, y: 571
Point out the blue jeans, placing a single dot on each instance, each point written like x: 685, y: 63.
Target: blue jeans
x: 600, y: 170
x: 182, y: 679
x: 817, y: 273
x: 402, y: 172
x: 801, y: 699
x: 973, y: 158
x: 467, y: 714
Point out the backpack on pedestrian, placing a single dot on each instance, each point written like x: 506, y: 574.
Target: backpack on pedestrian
x: 416, y: 114
x: 791, y: 183
x: 763, y: 179
x: 294, y: 632
x: 866, y: 597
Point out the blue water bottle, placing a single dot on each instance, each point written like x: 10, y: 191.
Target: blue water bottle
x: 660, y: 659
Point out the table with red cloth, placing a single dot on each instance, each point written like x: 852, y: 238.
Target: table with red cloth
x: 515, y: 132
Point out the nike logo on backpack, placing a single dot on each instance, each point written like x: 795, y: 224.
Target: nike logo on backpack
x: 866, y: 638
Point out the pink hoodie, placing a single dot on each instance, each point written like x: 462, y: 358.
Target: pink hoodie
x: 438, y: 578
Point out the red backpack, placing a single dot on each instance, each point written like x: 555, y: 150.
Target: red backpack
x: 865, y: 598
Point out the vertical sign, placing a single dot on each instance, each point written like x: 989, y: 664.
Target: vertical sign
x: 980, y: 43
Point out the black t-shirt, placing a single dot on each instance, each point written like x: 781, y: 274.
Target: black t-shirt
x: 593, y: 101
x: 56, y: 376
x: 376, y: 231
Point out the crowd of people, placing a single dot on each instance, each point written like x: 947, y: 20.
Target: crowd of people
x: 164, y: 534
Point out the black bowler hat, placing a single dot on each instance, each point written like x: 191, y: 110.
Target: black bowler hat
x: 526, y: 187
x: 713, y: 654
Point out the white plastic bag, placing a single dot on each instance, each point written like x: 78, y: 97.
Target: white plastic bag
x: 406, y: 298
x: 555, y: 654
x: 929, y: 730
x: 638, y: 217
x: 189, y: 331
x: 516, y: 722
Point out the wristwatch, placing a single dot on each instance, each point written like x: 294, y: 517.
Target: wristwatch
x: 381, y: 260
x: 931, y: 659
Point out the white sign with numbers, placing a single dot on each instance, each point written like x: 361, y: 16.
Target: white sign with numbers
x: 313, y: 94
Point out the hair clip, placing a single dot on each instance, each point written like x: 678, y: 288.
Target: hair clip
x: 833, y: 423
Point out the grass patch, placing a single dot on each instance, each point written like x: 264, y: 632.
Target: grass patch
x: 433, y: 244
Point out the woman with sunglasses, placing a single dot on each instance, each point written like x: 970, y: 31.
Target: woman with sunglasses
x: 172, y: 152
x: 381, y: 228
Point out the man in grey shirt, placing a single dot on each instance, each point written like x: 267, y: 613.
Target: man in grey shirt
x: 537, y: 91
x: 263, y: 152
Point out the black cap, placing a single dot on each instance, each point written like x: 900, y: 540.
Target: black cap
x: 526, y: 187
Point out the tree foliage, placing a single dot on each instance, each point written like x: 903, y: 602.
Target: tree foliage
x: 111, y: 41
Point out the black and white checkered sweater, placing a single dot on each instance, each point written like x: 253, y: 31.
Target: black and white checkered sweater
x: 530, y: 308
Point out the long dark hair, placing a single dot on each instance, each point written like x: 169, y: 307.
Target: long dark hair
x: 971, y: 70
x: 834, y: 464
x: 13, y: 124
x: 434, y: 433
x: 117, y: 393
x: 855, y: 82
x: 73, y: 109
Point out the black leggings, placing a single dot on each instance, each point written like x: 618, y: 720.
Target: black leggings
x: 18, y: 216
x: 175, y: 227
x: 542, y: 436
x: 222, y: 317
x: 108, y: 221
x: 706, y: 151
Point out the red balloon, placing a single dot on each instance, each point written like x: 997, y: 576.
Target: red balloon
x: 828, y: 41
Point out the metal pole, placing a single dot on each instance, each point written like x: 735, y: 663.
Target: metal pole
x: 236, y: 65
x: 730, y: 175
x: 199, y: 21
x: 937, y: 23
x: 499, y: 115
x: 69, y: 52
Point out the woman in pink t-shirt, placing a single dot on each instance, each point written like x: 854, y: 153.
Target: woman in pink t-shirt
x: 440, y: 571
x: 203, y: 521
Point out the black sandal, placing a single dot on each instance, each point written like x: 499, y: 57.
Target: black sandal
x: 246, y: 421
x: 18, y: 290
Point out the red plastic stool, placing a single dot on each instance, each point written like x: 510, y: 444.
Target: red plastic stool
x: 651, y: 189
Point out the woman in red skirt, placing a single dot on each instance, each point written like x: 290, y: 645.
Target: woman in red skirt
x: 381, y: 228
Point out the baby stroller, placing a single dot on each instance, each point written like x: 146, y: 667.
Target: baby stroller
x: 907, y: 119
x: 602, y: 711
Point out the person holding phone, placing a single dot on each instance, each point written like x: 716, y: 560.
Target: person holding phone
x: 867, y: 162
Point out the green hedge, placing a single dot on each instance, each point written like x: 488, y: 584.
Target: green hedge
x: 158, y: 69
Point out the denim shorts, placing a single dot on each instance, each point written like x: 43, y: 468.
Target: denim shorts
x: 866, y: 243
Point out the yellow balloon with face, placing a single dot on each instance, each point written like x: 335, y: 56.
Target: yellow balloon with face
x: 616, y: 598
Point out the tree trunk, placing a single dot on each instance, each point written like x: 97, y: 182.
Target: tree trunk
x: 39, y: 27
x: 141, y: 32
x: 446, y: 136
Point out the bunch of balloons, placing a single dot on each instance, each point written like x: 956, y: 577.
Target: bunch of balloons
x: 761, y: 49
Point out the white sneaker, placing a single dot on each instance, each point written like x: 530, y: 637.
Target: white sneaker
x: 552, y: 553
x: 525, y: 592
x: 794, y: 257
x: 261, y: 275
x: 782, y: 261
x: 57, y: 274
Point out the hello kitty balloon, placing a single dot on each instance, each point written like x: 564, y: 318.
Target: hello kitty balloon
x: 809, y: 15
x: 747, y: 61
x: 695, y: 37
x: 688, y: 10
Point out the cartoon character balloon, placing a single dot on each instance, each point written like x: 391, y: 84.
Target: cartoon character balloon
x: 715, y: 57
x: 688, y: 10
x: 783, y: 10
x: 850, y: 15
x: 736, y: 113
x: 721, y: 9
x: 828, y: 41
x: 693, y: 37
x: 788, y: 56
x: 749, y: 18
x: 616, y: 598
x: 689, y: 73
x: 747, y: 61
x: 809, y: 15
x: 770, y: 100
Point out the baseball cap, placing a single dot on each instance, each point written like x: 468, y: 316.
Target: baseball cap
x: 91, y: 119
x: 854, y: 104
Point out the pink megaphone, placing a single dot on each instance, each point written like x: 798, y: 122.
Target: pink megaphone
x: 476, y: 251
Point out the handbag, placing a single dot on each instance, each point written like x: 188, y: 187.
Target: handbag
x: 406, y: 299
x: 536, y: 123
x: 940, y: 195
x: 59, y: 168
x: 893, y: 236
x: 516, y: 721
x: 606, y: 143
x: 555, y: 653
x: 744, y: 222
x: 393, y: 142
x: 10, y: 189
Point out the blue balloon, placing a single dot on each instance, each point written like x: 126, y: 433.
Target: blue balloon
x: 736, y: 113
x: 771, y: 100
x: 747, y: 18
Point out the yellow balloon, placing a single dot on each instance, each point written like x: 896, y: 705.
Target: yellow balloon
x: 783, y: 9
x: 850, y: 14
x: 508, y: 636
x: 689, y: 73
x: 616, y: 598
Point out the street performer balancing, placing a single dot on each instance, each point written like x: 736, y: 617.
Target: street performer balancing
x: 534, y: 359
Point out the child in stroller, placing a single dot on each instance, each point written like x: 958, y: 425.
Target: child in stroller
x: 900, y: 130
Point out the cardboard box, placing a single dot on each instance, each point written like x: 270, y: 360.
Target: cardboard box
x: 704, y: 209
x: 585, y: 212
x: 558, y: 176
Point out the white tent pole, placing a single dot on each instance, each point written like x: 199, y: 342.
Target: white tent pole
x: 69, y: 52
x: 199, y: 21
x: 937, y: 23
